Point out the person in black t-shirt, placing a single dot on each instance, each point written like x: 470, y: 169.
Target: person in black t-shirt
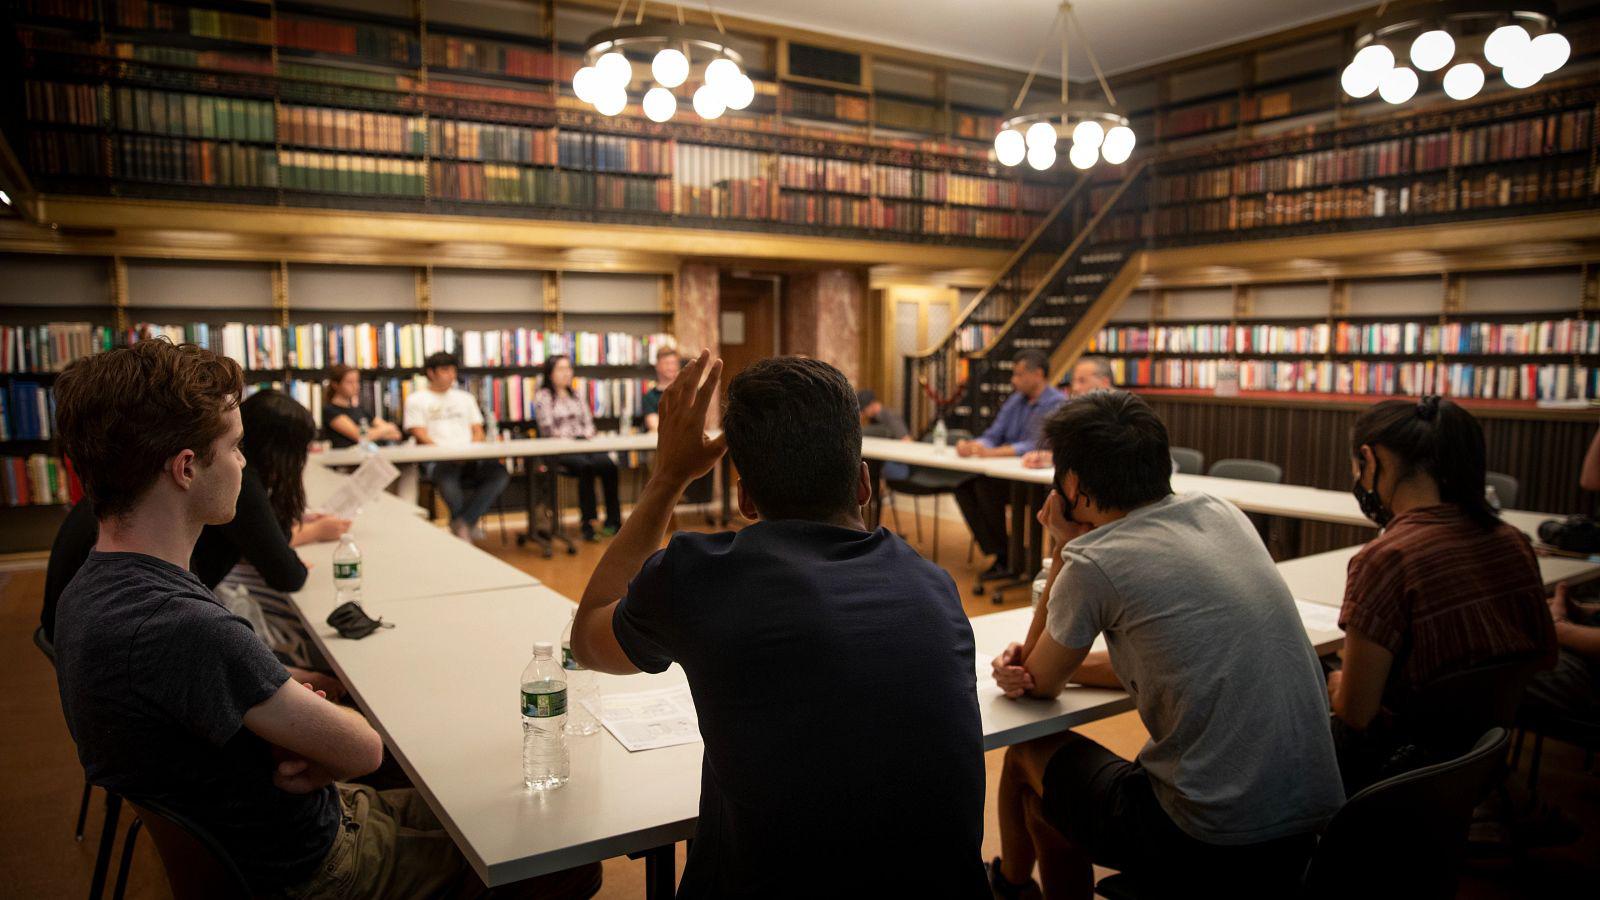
x: 345, y: 420
x: 831, y: 667
x: 172, y: 700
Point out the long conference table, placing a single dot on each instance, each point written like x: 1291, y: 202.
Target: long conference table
x: 441, y: 686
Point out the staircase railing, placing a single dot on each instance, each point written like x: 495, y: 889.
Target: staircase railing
x: 965, y: 384
x: 930, y: 374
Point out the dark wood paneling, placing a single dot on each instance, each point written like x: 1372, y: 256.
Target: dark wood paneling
x: 1312, y: 444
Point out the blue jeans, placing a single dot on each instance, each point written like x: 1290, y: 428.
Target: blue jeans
x: 469, y: 487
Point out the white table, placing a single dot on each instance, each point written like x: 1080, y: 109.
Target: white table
x: 402, y: 557
x: 421, y: 453
x: 1320, y: 578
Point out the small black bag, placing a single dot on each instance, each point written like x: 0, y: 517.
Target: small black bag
x: 1574, y: 534
x: 352, y: 621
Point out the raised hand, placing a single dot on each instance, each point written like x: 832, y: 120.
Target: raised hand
x: 683, y: 451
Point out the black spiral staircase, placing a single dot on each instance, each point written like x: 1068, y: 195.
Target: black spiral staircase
x: 1052, y: 295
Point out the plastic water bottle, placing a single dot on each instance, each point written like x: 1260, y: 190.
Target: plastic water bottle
x: 346, y: 571
x: 941, y: 436
x: 1492, y: 495
x: 546, y: 765
x: 583, y: 689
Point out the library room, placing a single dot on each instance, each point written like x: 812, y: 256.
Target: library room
x: 1165, y: 437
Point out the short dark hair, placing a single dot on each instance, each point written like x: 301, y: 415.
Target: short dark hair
x: 794, y: 433
x: 665, y: 351
x: 123, y: 413
x: 1116, y: 445
x: 440, y: 360
x: 1033, y: 359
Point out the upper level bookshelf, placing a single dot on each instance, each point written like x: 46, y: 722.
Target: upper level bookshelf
x: 309, y: 104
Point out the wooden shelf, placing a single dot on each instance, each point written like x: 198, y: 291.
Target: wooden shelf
x: 1497, y: 409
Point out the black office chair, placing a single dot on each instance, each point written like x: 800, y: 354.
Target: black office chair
x: 1406, y: 836
x: 925, y: 482
x: 1402, y: 837
x: 198, y: 867
x: 1188, y: 460
x: 108, y: 829
x: 1541, y: 724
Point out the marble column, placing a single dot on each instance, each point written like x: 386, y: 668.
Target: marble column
x: 822, y: 315
x: 697, y: 323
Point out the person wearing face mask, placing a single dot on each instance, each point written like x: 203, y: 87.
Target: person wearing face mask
x: 1239, y: 773
x: 1446, y: 585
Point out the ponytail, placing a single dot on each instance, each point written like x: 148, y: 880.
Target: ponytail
x: 1438, y: 438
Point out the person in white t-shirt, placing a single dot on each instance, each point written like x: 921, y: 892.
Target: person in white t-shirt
x: 448, y: 416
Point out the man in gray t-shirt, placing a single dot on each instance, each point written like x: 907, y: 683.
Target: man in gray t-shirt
x: 1239, y: 773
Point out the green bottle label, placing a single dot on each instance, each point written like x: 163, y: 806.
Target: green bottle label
x: 544, y: 705
x: 343, y: 570
x: 567, y: 660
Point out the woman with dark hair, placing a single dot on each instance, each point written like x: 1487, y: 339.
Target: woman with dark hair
x: 255, y: 552
x: 560, y: 413
x: 1446, y: 586
x: 345, y: 421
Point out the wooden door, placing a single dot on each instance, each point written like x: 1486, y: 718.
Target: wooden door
x: 749, y: 320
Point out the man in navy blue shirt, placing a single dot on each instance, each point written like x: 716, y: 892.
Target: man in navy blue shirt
x: 1015, y: 432
x: 831, y: 667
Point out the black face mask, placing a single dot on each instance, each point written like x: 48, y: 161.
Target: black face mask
x: 1371, y: 504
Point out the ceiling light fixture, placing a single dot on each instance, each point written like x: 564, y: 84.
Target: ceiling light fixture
x: 1459, y: 38
x: 672, y: 49
x: 1098, y: 130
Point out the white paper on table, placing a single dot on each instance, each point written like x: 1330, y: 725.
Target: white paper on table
x: 365, y: 483
x: 648, y: 720
x: 1317, y: 616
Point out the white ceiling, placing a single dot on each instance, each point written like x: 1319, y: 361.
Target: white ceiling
x: 1126, y: 34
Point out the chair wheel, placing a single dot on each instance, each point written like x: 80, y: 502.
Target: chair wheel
x: 572, y: 551
x: 548, y: 553
x: 999, y: 598
x: 978, y: 589
x: 522, y: 540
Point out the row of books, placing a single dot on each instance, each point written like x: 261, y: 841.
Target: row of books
x: 346, y: 129
x: 183, y: 161
x: 499, y: 183
x: 1421, y: 197
x: 493, y: 143
x: 140, y: 15
x: 810, y: 104
x: 377, y: 42
x: 1484, y: 382
x: 1553, y: 336
x: 974, y: 337
x: 35, y: 480
x: 820, y: 174
x: 344, y: 173
x: 48, y: 348
x: 194, y: 115
x: 531, y: 347
x: 392, y: 345
x: 72, y: 104
x: 215, y: 60
x: 27, y: 412
x: 79, y: 10
x: 66, y: 153
x: 489, y: 56
x: 1498, y: 142
x: 609, y: 153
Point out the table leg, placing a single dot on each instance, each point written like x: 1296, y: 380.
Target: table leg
x: 660, y: 871
x: 406, y: 487
x: 1027, y: 538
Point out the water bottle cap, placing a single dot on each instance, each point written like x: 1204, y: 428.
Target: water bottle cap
x: 543, y: 648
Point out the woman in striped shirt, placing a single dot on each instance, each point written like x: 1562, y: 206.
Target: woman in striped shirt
x: 561, y: 413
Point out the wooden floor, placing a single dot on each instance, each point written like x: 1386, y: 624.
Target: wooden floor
x: 40, y: 780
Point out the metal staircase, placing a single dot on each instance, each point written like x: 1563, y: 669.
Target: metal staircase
x: 1052, y: 295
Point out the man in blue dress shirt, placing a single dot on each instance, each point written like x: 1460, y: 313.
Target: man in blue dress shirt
x: 1015, y: 432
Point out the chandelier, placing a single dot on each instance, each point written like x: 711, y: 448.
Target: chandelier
x: 1472, y: 34
x: 677, y: 53
x: 1098, y: 130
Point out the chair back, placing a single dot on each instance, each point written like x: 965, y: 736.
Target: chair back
x: 1190, y: 461
x: 1505, y: 487
x: 1406, y: 836
x: 1450, y: 712
x: 44, y: 645
x: 198, y: 867
x: 1247, y: 470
